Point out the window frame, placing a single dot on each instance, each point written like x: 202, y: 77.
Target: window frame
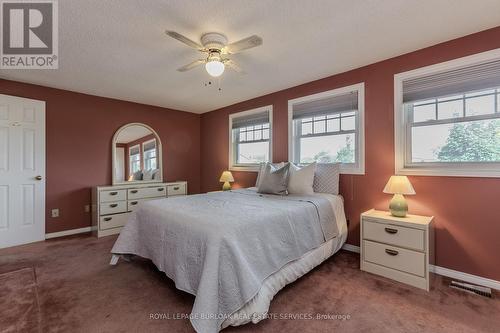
x: 356, y: 168
x: 130, y: 158
x: 144, y: 158
x: 254, y: 167
x: 402, y: 126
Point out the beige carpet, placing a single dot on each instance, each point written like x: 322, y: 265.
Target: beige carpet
x: 79, y: 292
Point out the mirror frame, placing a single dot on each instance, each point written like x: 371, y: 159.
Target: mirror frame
x: 113, y: 156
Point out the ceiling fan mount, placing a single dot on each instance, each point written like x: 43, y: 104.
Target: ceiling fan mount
x: 215, y: 46
x: 213, y: 41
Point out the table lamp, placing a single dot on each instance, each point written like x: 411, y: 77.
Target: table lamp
x: 399, y: 185
x: 226, y: 178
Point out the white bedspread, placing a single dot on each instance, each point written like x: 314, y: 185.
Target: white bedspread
x: 221, y: 247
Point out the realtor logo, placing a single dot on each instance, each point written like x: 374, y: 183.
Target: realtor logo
x: 29, y: 34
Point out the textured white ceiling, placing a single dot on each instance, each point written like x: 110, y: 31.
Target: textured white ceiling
x: 118, y: 49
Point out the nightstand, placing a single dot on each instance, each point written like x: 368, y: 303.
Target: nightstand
x: 398, y: 248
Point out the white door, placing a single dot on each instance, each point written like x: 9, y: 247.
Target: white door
x: 22, y: 171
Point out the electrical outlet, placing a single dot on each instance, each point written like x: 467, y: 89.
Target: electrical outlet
x: 87, y: 208
x: 55, y: 212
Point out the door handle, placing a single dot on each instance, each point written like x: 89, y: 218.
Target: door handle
x: 38, y: 178
x: 161, y: 189
x: 176, y: 188
x: 113, y: 205
x: 134, y: 191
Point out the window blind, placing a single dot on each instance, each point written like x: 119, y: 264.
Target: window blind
x: 134, y: 150
x: 457, y: 81
x: 150, y: 145
x: 251, y: 120
x: 335, y: 104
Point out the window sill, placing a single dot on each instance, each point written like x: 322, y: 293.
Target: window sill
x: 450, y: 172
x: 249, y: 168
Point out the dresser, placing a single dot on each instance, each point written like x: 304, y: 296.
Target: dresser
x: 112, y: 205
x: 398, y: 248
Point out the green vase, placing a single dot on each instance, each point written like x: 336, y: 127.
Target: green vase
x: 398, y: 205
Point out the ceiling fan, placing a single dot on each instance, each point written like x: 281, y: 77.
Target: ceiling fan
x: 215, y: 47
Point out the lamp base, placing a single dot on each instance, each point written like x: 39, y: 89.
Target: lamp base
x: 226, y: 186
x: 398, y: 206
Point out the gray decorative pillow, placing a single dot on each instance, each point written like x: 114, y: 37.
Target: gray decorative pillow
x: 263, y: 166
x: 274, y: 181
x: 137, y: 175
x: 326, y: 178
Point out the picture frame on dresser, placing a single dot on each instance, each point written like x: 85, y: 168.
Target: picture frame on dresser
x: 112, y: 205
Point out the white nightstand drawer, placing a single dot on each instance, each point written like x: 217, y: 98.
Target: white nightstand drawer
x: 394, y: 235
x: 113, y: 221
x: 394, y: 257
x: 115, y: 195
x: 113, y: 207
x: 147, y: 192
x: 177, y: 189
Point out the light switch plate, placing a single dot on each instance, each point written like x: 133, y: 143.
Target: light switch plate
x: 55, y: 212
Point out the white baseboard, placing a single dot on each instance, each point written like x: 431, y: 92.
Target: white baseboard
x: 67, y: 232
x: 351, y: 248
x: 466, y: 277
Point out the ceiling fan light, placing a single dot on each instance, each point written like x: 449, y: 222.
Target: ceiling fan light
x: 214, y: 68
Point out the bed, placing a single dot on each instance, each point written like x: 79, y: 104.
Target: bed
x: 234, y: 250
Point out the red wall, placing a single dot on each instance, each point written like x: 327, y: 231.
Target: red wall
x: 79, y: 130
x: 467, y: 210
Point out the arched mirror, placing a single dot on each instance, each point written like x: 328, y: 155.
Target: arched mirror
x: 136, y: 155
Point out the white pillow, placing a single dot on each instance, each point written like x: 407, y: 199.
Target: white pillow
x: 274, y: 166
x: 148, y: 175
x: 301, y: 179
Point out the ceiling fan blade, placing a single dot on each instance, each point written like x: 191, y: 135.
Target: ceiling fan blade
x: 232, y: 65
x: 184, y: 40
x: 191, y: 65
x: 243, y: 44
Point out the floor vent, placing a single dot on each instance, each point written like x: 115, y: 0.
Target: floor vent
x: 471, y: 288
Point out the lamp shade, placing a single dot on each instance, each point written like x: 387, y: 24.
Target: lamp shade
x: 226, y: 176
x: 399, y: 185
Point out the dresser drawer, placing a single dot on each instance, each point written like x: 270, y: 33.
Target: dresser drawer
x: 113, y: 221
x: 147, y: 192
x: 177, y: 189
x: 113, y: 207
x: 132, y: 205
x: 394, y: 235
x: 116, y: 195
x: 407, y: 261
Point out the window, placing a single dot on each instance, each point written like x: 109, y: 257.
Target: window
x: 328, y: 128
x: 149, y: 149
x: 250, y: 139
x: 134, y: 159
x: 448, y: 118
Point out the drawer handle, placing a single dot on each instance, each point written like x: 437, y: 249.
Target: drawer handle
x: 108, y: 219
x: 134, y: 191
x: 161, y: 189
x: 391, y: 252
x: 113, y: 205
x: 134, y: 203
x: 113, y: 193
x: 391, y: 230
x: 176, y: 188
